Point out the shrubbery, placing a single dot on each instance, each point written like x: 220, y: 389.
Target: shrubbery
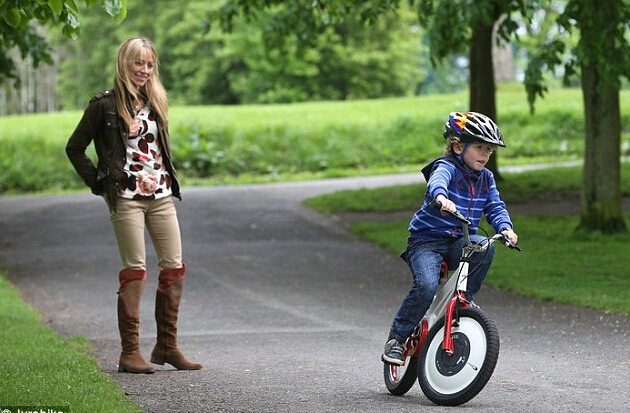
x: 320, y: 139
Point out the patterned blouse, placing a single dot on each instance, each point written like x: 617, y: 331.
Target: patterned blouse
x: 145, y: 176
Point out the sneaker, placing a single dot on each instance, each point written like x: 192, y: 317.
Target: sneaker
x: 393, y: 353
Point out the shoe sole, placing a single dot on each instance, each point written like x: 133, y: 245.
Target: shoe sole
x: 389, y: 360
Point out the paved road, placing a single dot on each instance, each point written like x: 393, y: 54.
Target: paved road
x: 288, y: 311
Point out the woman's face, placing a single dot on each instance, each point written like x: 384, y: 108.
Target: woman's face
x: 141, y: 69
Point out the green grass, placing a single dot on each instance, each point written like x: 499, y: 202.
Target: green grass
x: 543, y: 185
x: 40, y: 368
x: 557, y: 263
x: 263, y: 143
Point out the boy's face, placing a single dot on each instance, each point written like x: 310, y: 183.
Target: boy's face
x: 476, y: 154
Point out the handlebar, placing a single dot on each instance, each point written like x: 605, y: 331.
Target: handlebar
x: 501, y: 238
x: 458, y: 216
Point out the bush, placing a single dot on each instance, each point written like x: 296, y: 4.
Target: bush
x: 35, y: 165
x: 307, y: 139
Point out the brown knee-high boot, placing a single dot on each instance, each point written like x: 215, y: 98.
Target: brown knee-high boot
x: 167, y: 299
x: 129, y: 295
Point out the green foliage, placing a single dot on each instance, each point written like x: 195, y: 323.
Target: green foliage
x: 534, y: 186
x: 24, y: 171
x: 41, y: 368
x: 201, y: 65
x: 582, y: 35
x: 17, y: 30
x: 306, y: 18
x: 316, y: 139
x: 297, y: 145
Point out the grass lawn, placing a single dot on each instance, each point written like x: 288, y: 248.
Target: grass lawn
x: 38, y: 368
x: 557, y: 263
x: 266, y: 143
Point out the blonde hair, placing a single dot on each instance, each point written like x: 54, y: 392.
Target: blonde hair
x: 450, y: 141
x: 126, y: 92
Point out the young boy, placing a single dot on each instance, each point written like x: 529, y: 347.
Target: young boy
x: 459, y: 181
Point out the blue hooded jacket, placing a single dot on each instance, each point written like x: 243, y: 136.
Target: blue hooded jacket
x: 473, y: 192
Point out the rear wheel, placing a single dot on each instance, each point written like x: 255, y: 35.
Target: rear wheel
x: 399, y: 379
x: 452, y: 380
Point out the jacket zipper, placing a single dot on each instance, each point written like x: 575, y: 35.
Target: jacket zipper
x: 472, y: 198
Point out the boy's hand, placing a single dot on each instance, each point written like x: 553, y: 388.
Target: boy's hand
x: 447, y: 204
x: 510, y: 235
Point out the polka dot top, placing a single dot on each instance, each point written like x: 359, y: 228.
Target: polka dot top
x: 144, y: 174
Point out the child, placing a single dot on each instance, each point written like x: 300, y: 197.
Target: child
x: 459, y: 181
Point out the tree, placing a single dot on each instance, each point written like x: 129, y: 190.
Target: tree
x: 208, y: 66
x: 347, y: 60
x: 89, y: 62
x: 459, y: 26
x: 18, y: 28
x: 602, y: 57
x: 453, y: 27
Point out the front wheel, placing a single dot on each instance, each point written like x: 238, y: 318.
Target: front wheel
x: 455, y: 379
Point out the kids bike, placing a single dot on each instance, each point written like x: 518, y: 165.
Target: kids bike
x: 455, y: 347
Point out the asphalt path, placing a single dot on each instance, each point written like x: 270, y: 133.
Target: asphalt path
x: 288, y: 311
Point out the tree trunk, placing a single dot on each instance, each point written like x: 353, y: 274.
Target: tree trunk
x: 503, y: 62
x: 482, y: 86
x: 601, y: 195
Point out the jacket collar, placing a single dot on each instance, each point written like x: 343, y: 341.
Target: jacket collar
x: 457, y: 162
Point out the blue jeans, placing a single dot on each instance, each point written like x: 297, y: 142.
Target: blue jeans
x: 424, y: 258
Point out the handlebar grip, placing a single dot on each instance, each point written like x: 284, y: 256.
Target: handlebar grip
x: 457, y: 215
x: 512, y: 246
x: 508, y: 244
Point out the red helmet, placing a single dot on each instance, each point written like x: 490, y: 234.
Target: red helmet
x: 473, y: 127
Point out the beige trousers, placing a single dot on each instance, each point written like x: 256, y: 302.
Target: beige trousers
x: 159, y: 217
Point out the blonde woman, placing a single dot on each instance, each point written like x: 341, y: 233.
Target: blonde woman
x: 135, y: 175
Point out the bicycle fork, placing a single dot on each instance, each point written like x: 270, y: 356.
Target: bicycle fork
x: 450, y: 321
x: 458, y: 300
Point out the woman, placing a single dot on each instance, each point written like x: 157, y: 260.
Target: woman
x: 135, y: 175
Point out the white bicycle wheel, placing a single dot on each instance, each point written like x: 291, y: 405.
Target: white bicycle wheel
x: 455, y: 379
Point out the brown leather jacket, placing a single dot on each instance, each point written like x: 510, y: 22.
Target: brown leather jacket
x: 101, y: 123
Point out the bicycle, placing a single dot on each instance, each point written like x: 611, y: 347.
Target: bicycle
x: 454, y: 349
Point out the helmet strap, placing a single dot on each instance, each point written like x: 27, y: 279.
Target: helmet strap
x: 460, y: 156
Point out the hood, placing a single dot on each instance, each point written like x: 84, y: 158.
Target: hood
x: 456, y: 161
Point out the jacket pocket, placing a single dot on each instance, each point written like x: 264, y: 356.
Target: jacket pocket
x: 99, y: 185
x: 111, y: 120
